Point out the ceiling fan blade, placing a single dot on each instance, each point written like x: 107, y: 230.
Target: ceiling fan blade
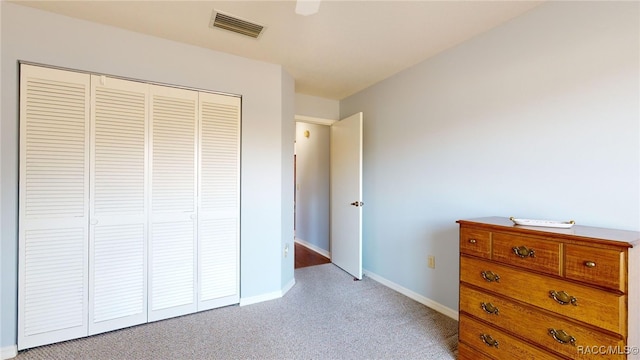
x: 307, y: 7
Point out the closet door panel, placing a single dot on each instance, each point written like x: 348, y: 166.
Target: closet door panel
x: 173, y: 234
x: 118, y: 221
x: 53, y: 207
x: 218, y: 215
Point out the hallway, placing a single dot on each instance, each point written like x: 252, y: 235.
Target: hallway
x: 307, y: 257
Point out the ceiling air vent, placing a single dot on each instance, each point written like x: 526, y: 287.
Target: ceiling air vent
x: 235, y: 24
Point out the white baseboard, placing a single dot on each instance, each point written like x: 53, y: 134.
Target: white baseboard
x: 260, y: 298
x: 312, y: 247
x: 413, y: 295
x: 9, y: 352
x: 288, y: 287
x: 268, y: 296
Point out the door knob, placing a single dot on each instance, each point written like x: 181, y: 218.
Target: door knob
x: 357, y: 203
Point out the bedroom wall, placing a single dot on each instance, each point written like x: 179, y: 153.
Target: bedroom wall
x: 318, y: 107
x: 2, y: 305
x: 288, y: 149
x: 267, y: 131
x: 537, y: 118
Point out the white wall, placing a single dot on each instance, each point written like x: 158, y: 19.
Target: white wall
x: 312, y: 181
x: 287, y: 212
x: 317, y: 107
x: 267, y: 129
x: 2, y: 269
x: 538, y: 118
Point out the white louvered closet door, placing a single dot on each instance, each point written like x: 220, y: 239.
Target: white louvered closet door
x: 172, y: 242
x: 54, y: 205
x: 118, y: 207
x: 219, y: 211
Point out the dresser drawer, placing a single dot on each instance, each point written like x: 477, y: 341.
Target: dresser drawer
x: 527, y: 252
x: 475, y: 242
x: 497, y: 343
x: 595, y: 266
x: 466, y: 352
x: 592, y: 306
x: 535, y: 325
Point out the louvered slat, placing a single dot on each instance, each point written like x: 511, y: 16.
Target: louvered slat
x: 172, y: 273
x: 119, y: 150
x: 54, y: 285
x: 173, y: 154
x: 219, y: 152
x: 45, y: 141
x: 119, y: 268
x: 118, y: 240
x: 173, y: 203
x: 53, y: 210
x: 218, y: 214
x: 218, y: 258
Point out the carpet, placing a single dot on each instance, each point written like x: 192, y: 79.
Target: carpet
x: 326, y: 315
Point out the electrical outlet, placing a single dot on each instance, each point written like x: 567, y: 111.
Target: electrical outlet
x: 431, y: 261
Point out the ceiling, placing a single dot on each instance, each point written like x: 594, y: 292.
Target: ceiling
x: 344, y: 48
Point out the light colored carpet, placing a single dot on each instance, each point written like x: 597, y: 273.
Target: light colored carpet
x: 326, y: 315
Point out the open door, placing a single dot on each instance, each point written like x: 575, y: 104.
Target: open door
x: 346, y: 194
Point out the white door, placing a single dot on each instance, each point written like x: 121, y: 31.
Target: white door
x: 118, y: 206
x: 219, y: 201
x: 346, y: 194
x: 172, y: 237
x: 54, y: 206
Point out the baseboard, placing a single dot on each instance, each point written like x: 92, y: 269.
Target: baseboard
x: 260, y: 298
x: 288, y: 287
x: 413, y: 295
x: 268, y: 296
x: 312, y: 247
x: 8, y: 352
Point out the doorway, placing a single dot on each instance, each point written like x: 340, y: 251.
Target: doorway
x: 305, y: 257
x: 328, y: 190
x: 311, y: 194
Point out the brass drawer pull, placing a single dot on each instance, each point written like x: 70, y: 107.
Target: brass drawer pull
x: 490, y: 276
x: 523, y: 252
x: 473, y: 241
x: 563, y: 298
x: 489, y: 308
x: 562, y: 337
x: 590, y: 264
x: 487, y: 339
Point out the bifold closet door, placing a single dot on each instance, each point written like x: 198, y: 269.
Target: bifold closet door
x: 118, y: 206
x: 53, y: 206
x: 172, y: 241
x: 219, y: 209
x: 128, y: 203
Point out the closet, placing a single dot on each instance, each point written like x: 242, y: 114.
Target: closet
x: 129, y: 203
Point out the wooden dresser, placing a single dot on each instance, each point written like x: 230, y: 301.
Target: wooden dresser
x: 547, y: 293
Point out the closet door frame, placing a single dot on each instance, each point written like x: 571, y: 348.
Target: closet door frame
x: 85, y: 224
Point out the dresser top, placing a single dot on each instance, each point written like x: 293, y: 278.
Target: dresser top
x: 626, y: 237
